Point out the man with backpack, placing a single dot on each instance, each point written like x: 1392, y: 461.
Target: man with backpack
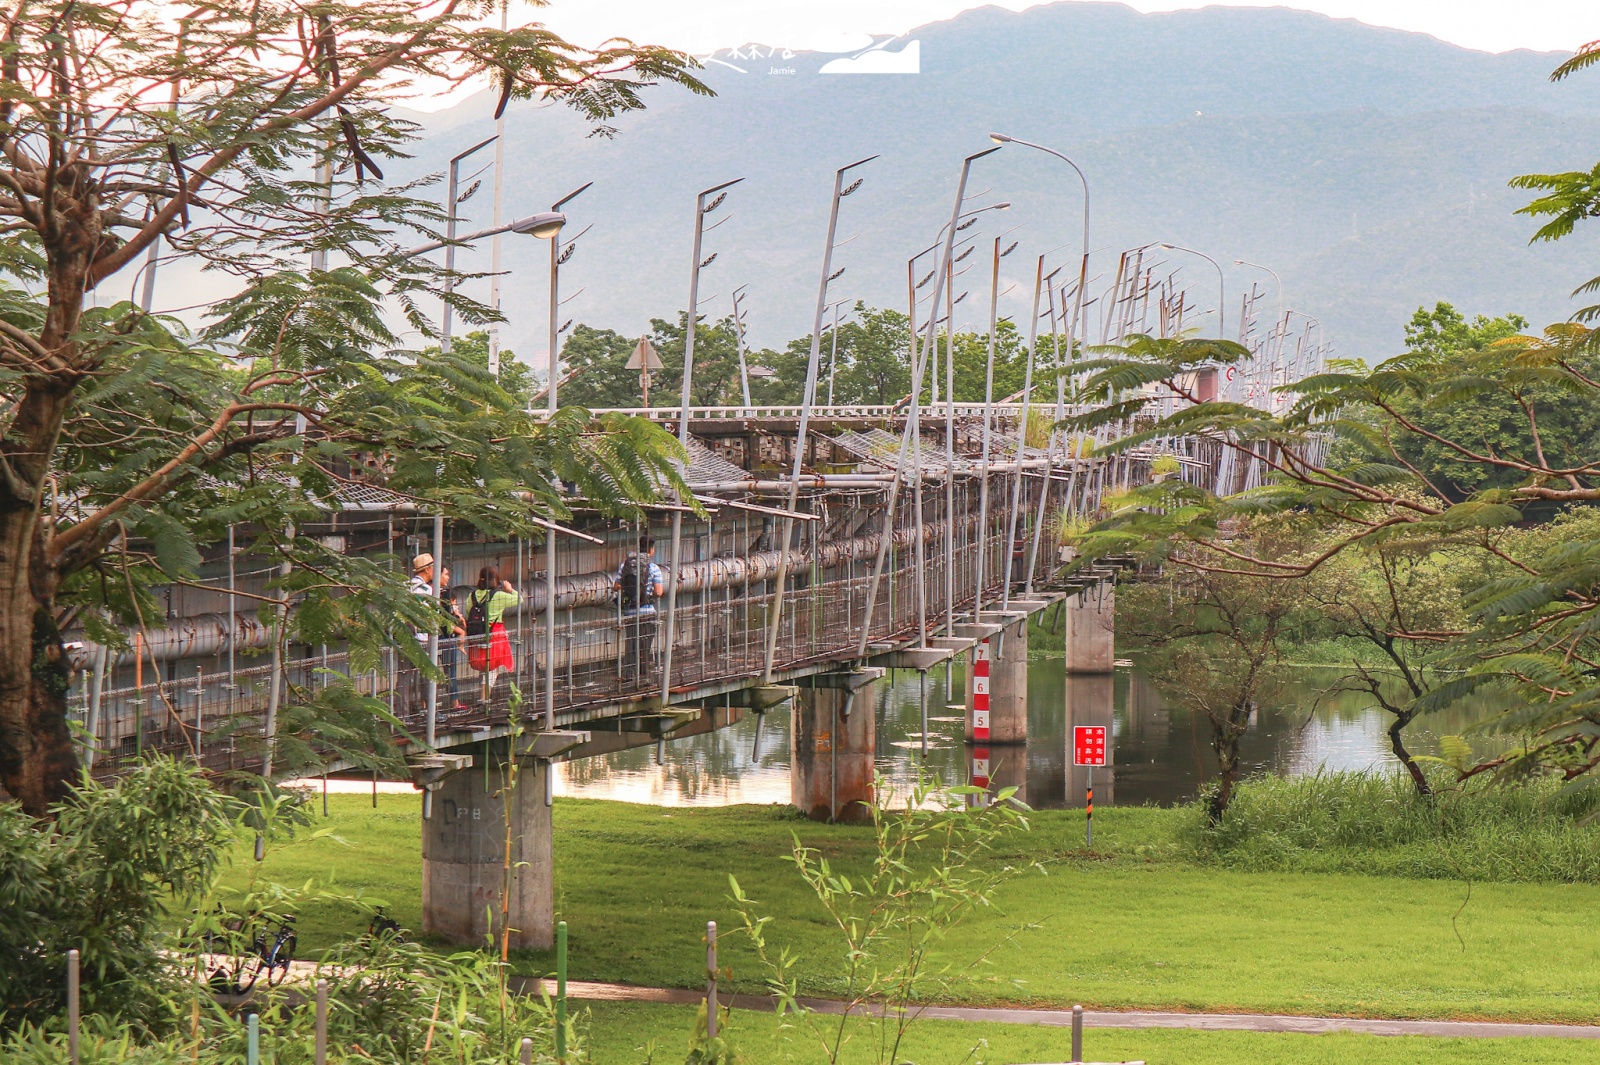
x: 639, y: 584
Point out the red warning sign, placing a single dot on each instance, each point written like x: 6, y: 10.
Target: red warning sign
x: 1089, y: 745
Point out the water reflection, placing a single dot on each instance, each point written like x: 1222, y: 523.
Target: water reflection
x: 1160, y: 753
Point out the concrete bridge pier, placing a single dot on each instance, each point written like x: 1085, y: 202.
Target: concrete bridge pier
x: 1091, y: 630
x: 832, y: 745
x: 466, y: 868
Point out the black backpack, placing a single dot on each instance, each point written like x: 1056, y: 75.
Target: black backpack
x: 478, y: 614
x: 635, y: 581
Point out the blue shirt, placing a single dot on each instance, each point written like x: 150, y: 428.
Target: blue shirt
x: 655, y: 578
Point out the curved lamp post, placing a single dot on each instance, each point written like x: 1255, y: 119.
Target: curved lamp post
x: 1222, y: 284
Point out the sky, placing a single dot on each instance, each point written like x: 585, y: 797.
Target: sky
x: 701, y: 26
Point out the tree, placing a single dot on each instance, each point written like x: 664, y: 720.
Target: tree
x: 127, y: 438
x: 1403, y: 600
x: 716, y: 362
x: 874, y: 362
x: 516, y: 379
x: 1528, y: 648
x: 597, y: 359
x: 1493, y: 422
x: 1212, y: 641
x: 972, y: 362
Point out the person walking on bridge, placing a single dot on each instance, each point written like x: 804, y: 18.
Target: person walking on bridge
x: 639, y: 583
x: 488, y: 646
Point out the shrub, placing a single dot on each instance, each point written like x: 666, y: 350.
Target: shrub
x: 101, y: 878
x: 1538, y: 830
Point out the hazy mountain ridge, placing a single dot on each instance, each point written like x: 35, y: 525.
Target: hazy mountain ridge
x: 1366, y: 166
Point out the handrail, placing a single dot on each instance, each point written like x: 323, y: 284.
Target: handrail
x: 882, y: 410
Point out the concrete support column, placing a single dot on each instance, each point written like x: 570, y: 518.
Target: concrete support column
x: 832, y: 745
x: 1090, y: 700
x: 465, y: 866
x: 1000, y: 672
x: 1091, y: 630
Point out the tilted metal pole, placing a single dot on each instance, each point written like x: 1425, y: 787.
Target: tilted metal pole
x: 1039, y: 282
x: 918, y: 359
x: 950, y: 462
x: 700, y: 210
x: 497, y: 219
x: 451, y: 188
x: 738, y: 333
x: 833, y: 354
x: 775, y: 612
x: 988, y: 414
x: 1055, y: 437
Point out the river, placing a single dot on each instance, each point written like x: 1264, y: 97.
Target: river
x: 1161, y: 754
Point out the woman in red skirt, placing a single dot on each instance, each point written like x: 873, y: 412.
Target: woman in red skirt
x: 488, y: 647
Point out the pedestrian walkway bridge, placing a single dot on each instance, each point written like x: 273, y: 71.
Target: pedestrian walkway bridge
x: 909, y: 542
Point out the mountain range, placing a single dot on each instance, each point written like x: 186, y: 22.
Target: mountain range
x: 1366, y: 166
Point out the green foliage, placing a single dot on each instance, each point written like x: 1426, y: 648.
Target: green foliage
x: 103, y: 879
x: 1464, y: 392
x: 874, y: 364
x: 934, y: 864
x: 716, y: 362
x: 598, y: 359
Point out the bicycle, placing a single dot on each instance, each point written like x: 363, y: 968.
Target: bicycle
x: 268, y: 955
x: 382, y: 926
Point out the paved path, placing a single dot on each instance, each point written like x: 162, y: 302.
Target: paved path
x: 1215, y: 1022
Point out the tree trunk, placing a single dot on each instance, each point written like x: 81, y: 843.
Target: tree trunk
x: 38, y: 762
x: 1418, y: 778
x: 1227, y: 748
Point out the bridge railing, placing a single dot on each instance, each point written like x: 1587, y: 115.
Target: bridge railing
x: 839, y: 411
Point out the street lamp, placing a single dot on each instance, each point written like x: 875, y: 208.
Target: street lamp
x: 1275, y: 277
x: 1222, y: 284
x: 1083, y: 269
x: 919, y: 361
x: 544, y: 225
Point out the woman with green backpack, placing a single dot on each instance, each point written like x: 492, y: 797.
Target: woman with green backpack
x: 488, y: 647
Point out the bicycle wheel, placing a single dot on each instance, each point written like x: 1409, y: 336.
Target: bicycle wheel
x: 277, y: 964
x: 242, y: 982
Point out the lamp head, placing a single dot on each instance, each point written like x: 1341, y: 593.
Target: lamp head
x: 545, y: 224
x: 1169, y: 247
x: 1000, y: 138
x: 1003, y: 205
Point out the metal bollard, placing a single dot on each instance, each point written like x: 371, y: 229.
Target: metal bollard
x: 527, y: 1052
x: 1077, y: 1033
x: 711, y: 979
x: 561, y: 993
x: 252, y: 1053
x: 73, y: 1014
x: 322, y: 1022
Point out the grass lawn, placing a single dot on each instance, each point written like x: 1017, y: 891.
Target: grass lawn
x: 1138, y: 928
x: 620, y: 1033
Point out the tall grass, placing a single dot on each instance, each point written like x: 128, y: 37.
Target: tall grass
x: 1377, y: 824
